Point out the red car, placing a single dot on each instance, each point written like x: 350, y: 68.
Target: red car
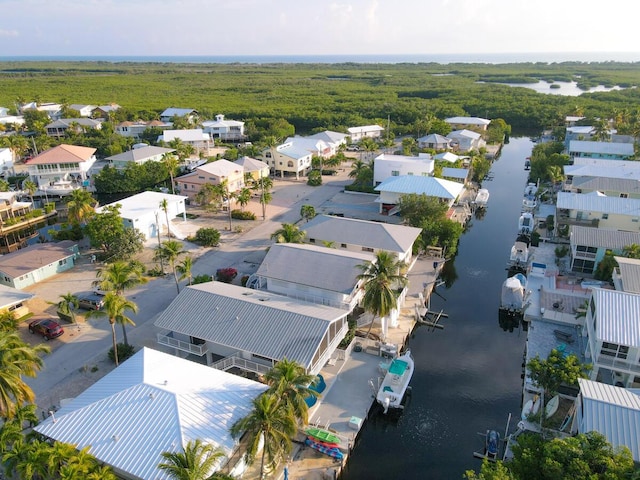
x: 46, y: 327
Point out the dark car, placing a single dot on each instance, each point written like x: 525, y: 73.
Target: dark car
x: 46, y: 327
x: 91, y: 301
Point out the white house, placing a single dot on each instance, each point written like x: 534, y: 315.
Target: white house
x: 601, y: 150
x: 83, y: 110
x: 365, y: 131
x: 333, y: 139
x: 225, y: 130
x: 395, y: 187
x: 54, y: 110
x: 150, y: 404
x: 619, y: 178
x: 626, y: 276
x: 362, y: 236
x: 138, y: 156
x: 137, y: 128
x: 14, y: 300
x: 466, y: 140
x: 313, y: 273
x: 193, y: 136
x: 11, y: 119
x: 294, y: 155
x: 386, y: 166
x: 189, y: 113
x: 61, y: 166
x: 434, y: 141
x: 476, y: 123
x: 144, y: 212
x: 6, y: 160
x: 252, y: 329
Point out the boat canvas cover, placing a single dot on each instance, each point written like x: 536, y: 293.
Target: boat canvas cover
x: 398, y: 367
x: 512, y: 293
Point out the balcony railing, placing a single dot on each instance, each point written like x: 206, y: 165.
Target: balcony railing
x: 617, y: 364
x: 564, y: 219
x: 168, y: 340
x: 236, y: 360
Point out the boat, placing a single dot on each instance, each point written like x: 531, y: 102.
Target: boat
x: 531, y: 407
x: 519, y: 256
x: 527, y: 163
x: 525, y: 223
x: 552, y: 407
x: 514, y: 295
x: 530, y: 190
x: 395, y: 382
x: 331, y: 451
x: 321, y: 435
x: 491, y: 444
x: 482, y: 198
x: 325, y: 444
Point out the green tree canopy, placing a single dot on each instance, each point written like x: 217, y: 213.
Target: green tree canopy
x: 558, y: 369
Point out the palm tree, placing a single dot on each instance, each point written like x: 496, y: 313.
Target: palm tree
x: 289, y: 382
x: 171, y: 251
x: 271, y: 421
x: 171, y: 162
x: 67, y: 306
x: 115, y: 308
x: 381, y: 280
x: 164, y: 205
x: 360, y: 171
x: 184, y: 268
x: 17, y: 359
x: 81, y: 206
x: 195, y: 463
x: 288, y: 233
x: 120, y: 276
x: 30, y: 187
x: 243, y: 197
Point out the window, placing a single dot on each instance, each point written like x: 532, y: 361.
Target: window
x: 312, y: 240
x: 624, y: 195
x: 584, y: 248
x: 395, y: 173
x: 605, y: 216
x: 410, y: 174
x: 367, y: 249
x: 343, y: 245
x: 289, y: 164
x: 62, y: 262
x: 614, y: 350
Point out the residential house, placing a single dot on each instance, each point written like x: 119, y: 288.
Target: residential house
x: 333, y: 139
x: 144, y: 212
x: 213, y: 173
x: 589, y: 246
x: 17, y: 222
x: 59, y: 128
x: 6, y: 160
x: 252, y: 167
x: 54, y: 110
x: 195, y: 137
x: 137, y: 128
x: 155, y: 403
x: 393, y: 188
x: 313, y: 273
x: 104, y: 111
x: 612, y: 178
x: 225, y: 130
x: 359, y: 236
x: 189, y: 113
x: 295, y: 154
x: 37, y: 262
x: 460, y: 175
x: 14, y: 301
x: 626, y: 276
x: 62, y: 165
x: 597, y: 210
x: 447, y: 157
x: 613, y: 337
x: 11, y: 119
x: 578, y: 133
x: 601, y: 150
x: 365, y: 131
x: 475, y: 123
x: 251, y: 329
x: 386, y: 166
x: 433, y: 141
x: 571, y: 120
x: 138, y: 156
x: 83, y: 110
x: 612, y: 411
x: 466, y: 140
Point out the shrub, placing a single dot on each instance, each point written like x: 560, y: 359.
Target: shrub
x: 314, y: 179
x: 207, y: 237
x: 201, y: 279
x: 124, y: 352
x: 155, y: 272
x: 240, y: 215
x: 244, y: 280
x: 226, y: 275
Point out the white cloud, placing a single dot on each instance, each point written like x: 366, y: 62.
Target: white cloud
x: 8, y: 33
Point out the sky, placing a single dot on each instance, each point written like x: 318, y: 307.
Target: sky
x: 314, y: 27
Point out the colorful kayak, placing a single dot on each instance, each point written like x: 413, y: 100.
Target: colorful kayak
x: 322, y: 435
x: 332, y: 452
x: 324, y: 444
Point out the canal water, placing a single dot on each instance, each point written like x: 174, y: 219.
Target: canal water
x: 467, y: 376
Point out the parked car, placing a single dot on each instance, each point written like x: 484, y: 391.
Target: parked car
x: 46, y: 327
x: 91, y: 301
x: 353, y: 148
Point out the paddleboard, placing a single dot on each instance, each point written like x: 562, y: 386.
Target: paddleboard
x: 531, y: 407
x: 552, y: 406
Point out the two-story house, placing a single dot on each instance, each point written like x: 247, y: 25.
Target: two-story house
x: 225, y: 130
x: 137, y: 128
x: 189, y: 113
x: 393, y: 188
x: 613, y: 178
x: 601, y: 150
x: 386, y: 166
x: 58, y: 128
x: 475, y: 123
x: 589, y: 246
x: 597, y: 210
x: 293, y: 157
x: 195, y: 137
x: 138, y: 156
x: 61, y: 169
x: 466, y: 140
x: 82, y: 110
x: 365, y: 131
x: 213, y: 173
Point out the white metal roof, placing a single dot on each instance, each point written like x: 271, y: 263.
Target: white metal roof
x: 137, y: 154
x: 153, y: 403
x: 351, y: 231
x: 606, y: 148
x: 603, y: 237
x: 596, y: 203
x: 629, y: 170
x: 180, y: 112
x: 447, y: 156
x: 330, y: 137
x: 578, y: 129
x: 263, y: 323
x: 430, y: 186
x: 617, y: 316
x: 220, y: 168
x: 464, y: 133
x: 141, y: 204
x: 602, y: 162
x: 468, y: 120
x: 461, y: 173
x: 191, y: 135
x: 630, y: 273
x: 612, y: 411
x: 365, y: 128
x: 251, y: 164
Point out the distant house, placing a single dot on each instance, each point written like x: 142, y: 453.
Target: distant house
x: 155, y: 403
x: 64, y: 163
x: 213, y: 173
x: 460, y: 175
x: 333, y: 139
x: 613, y: 178
x: 589, y: 246
x: 11, y: 119
x: 253, y: 167
x: 138, y: 156
x: 578, y: 133
x: 225, y: 130
x: 447, y: 157
x: 189, y: 113
x: 475, y: 123
x: 362, y: 236
x: 395, y: 187
x: 59, y: 128
x: 54, y: 110
x: 601, y: 150
x: 6, y: 160
x: 626, y: 276
x: 37, y: 262
x: 466, y: 140
x: 434, y: 141
x: 571, y: 120
x: 195, y: 137
x: 137, y: 128
x: 83, y: 110
x: 103, y: 111
x: 295, y: 154
x: 313, y: 273
x: 14, y: 301
x: 143, y: 211
x: 365, y: 131
x: 386, y: 166
x: 252, y: 329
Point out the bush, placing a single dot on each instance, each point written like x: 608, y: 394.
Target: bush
x: 314, y: 179
x: 240, y: 215
x: 244, y: 280
x: 202, y: 279
x: 207, y: 237
x: 226, y: 275
x: 124, y: 352
x: 360, y: 188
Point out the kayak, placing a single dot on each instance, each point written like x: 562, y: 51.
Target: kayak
x: 322, y: 435
x: 332, y: 452
x: 328, y: 445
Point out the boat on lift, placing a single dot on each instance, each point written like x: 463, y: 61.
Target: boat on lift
x: 525, y: 223
x: 395, y: 382
x: 482, y: 198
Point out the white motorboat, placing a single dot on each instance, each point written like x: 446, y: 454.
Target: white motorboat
x: 395, y: 382
x: 60, y: 187
x: 514, y: 295
x: 520, y: 251
x: 530, y: 201
x: 482, y: 198
x: 530, y: 190
x: 525, y: 223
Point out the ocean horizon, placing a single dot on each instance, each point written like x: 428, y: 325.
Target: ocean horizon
x: 489, y: 58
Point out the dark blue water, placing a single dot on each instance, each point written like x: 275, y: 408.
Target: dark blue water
x: 467, y: 376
